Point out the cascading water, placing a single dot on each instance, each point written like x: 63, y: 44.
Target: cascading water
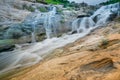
x: 99, y: 18
x: 33, y: 34
x: 48, y: 19
x: 49, y: 23
x: 105, y: 13
x: 82, y: 24
x: 34, y: 24
x: 32, y: 54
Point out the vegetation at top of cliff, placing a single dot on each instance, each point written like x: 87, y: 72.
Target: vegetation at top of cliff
x: 110, y: 2
x: 64, y: 2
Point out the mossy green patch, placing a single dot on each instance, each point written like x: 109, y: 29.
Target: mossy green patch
x: 7, y: 42
x: 42, y: 9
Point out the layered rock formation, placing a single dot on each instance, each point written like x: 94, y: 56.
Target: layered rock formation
x: 94, y: 57
x: 18, y: 17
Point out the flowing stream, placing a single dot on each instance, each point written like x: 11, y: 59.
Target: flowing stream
x: 31, y: 54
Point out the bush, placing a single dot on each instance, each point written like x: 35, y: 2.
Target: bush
x: 29, y: 8
x: 42, y: 9
x: 104, y: 42
x: 110, y: 2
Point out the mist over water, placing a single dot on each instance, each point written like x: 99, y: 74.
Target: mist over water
x: 91, y: 2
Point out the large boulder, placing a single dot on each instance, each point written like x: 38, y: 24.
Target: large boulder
x: 7, y: 45
x: 14, y: 32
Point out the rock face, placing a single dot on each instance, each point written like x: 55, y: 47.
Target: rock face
x: 94, y: 57
x: 100, y: 65
x: 17, y: 17
x: 84, y: 59
x: 7, y: 48
x: 13, y: 13
x: 19, y: 14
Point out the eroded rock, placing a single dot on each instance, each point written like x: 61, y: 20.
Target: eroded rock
x: 104, y: 64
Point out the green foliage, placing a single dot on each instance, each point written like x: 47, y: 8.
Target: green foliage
x: 63, y: 2
x: 110, y: 2
x: 117, y: 19
x: 62, y: 21
x: 29, y: 8
x: 42, y: 9
x: 104, y: 42
x: 7, y: 42
x: 57, y: 1
x: 59, y: 11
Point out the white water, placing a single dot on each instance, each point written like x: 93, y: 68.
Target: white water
x: 82, y: 24
x: 49, y: 23
x: 33, y: 35
x: 104, y: 13
x: 102, y: 16
x: 33, y: 53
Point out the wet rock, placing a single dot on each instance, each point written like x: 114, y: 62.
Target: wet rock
x: 5, y: 48
x: 81, y: 16
x: 112, y: 16
x: 7, y: 45
x: 14, y: 32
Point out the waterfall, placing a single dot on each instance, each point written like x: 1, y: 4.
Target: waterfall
x: 34, y: 24
x: 33, y: 53
x: 49, y: 23
x: 82, y: 24
x: 99, y: 18
x: 105, y: 14
x: 33, y: 35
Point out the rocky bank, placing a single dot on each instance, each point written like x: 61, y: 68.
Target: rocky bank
x: 94, y: 57
x: 17, y: 19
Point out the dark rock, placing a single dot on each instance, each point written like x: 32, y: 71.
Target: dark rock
x: 14, y: 32
x: 5, y: 48
x: 112, y: 17
x: 105, y: 64
x: 81, y: 16
x: 73, y: 32
x: 42, y: 2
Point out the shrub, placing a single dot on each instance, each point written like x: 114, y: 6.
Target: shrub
x: 104, y: 42
x: 42, y: 9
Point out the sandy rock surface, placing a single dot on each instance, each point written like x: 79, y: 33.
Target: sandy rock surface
x: 94, y: 57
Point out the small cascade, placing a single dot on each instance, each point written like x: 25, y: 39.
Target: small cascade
x: 50, y: 23
x: 34, y: 24
x: 75, y: 25
x: 105, y: 14
x: 101, y: 17
x: 86, y: 23
x: 82, y: 24
x: 49, y: 20
x: 33, y: 35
